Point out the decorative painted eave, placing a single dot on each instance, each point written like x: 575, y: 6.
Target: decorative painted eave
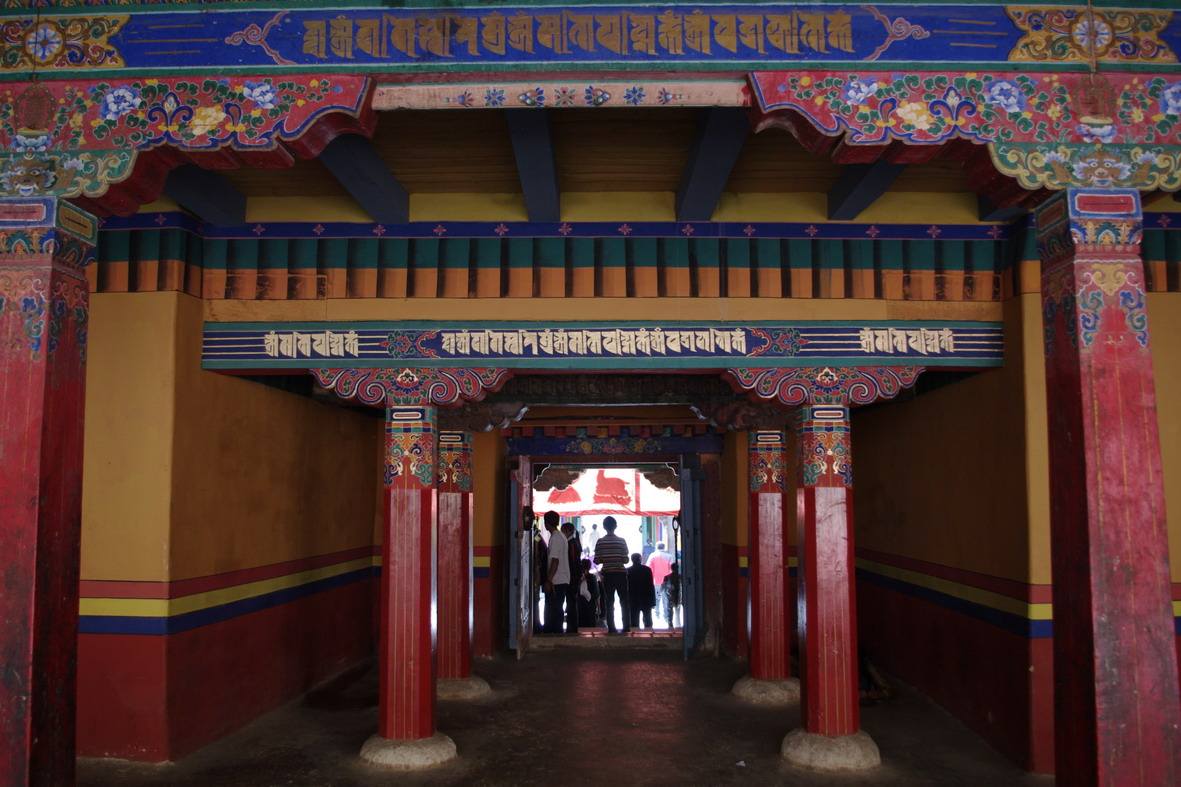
x: 572, y: 259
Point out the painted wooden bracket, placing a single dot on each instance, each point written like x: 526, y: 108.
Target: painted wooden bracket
x: 533, y: 148
x: 354, y: 162
x: 207, y: 195
x: 721, y: 134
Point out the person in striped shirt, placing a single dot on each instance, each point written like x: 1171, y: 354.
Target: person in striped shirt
x: 611, y: 555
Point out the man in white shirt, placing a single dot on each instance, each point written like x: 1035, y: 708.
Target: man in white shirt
x: 557, y: 575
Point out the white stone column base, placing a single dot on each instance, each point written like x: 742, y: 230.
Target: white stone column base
x: 856, y: 752
x: 408, y: 755
x: 767, y: 692
x: 473, y: 687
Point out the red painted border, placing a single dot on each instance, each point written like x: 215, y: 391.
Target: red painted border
x: 101, y: 588
x: 1022, y: 591
x: 160, y: 698
x: 999, y: 684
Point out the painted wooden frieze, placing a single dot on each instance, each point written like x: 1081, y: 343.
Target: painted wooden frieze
x: 524, y: 36
x: 1052, y: 130
x: 602, y: 345
x: 77, y: 137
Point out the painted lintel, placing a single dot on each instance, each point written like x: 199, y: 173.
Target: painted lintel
x: 601, y: 346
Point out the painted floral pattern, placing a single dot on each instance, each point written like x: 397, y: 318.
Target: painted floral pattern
x: 79, y: 136
x: 877, y: 108
x: 1047, y: 130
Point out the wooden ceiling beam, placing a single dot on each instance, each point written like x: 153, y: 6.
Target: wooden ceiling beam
x: 721, y: 134
x: 859, y: 187
x: 356, y: 165
x: 207, y: 195
x: 533, y: 149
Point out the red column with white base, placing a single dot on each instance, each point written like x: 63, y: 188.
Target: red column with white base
x: 406, y: 737
x: 769, y: 616
x: 1117, y: 717
x: 44, y: 245
x: 456, y: 680
x: 826, y: 614
x: 831, y: 737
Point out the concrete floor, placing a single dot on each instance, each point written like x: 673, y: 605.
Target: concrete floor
x: 612, y: 717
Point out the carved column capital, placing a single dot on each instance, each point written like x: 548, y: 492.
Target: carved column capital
x: 424, y: 386
x: 1089, y: 242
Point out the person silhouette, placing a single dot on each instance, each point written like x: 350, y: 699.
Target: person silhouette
x: 611, y: 554
x: 641, y: 593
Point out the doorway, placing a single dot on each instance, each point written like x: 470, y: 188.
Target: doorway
x: 655, y: 505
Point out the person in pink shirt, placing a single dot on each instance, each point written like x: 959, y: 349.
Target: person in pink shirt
x: 661, y: 562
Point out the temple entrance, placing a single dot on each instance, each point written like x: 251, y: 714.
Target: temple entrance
x: 645, y: 505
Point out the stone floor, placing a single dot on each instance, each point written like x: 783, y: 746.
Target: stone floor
x: 612, y: 717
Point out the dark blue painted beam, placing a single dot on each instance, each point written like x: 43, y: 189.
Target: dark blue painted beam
x: 990, y: 211
x: 534, y: 150
x: 354, y: 162
x: 859, y: 186
x: 207, y: 195
x: 721, y: 133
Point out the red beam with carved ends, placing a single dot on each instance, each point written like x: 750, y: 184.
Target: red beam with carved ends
x: 455, y: 555
x: 826, y: 612
x: 1117, y: 719
x: 770, y: 616
x: 44, y: 246
x: 407, y: 637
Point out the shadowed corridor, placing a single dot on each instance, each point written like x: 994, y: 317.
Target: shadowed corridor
x: 611, y: 716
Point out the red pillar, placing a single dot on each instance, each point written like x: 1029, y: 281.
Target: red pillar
x: 455, y: 555
x: 1117, y: 716
x: 769, y: 617
x: 826, y: 601
x: 44, y: 245
x: 406, y: 647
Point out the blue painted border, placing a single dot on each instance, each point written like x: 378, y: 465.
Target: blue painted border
x: 176, y: 624
x: 769, y: 230
x: 1014, y: 624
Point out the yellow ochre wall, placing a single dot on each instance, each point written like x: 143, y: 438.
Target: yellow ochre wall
x: 263, y: 476
x: 127, y: 462
x: 488, y: 488
x: 960, y: 475
x: 1164, y: 325
x: 189, y: 473
x: 735, y: 501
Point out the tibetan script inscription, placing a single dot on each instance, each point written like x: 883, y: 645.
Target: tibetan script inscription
x: 891, y: 341
x: 322, y: 344
x: 747, y: 32
x: 563, y: 33
x: 617, y: 342
x: 599, y: 345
